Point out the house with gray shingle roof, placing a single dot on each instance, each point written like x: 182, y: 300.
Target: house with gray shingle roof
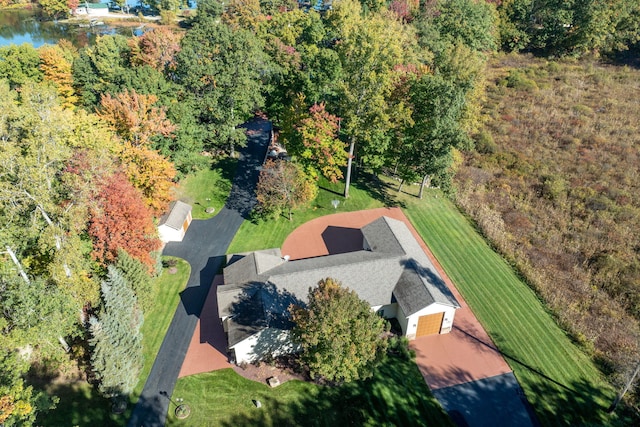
x: 173, y: 224
x: 391, y: 272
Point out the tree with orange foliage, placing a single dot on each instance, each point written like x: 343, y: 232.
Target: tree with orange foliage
x: 119, y: 219
x: 55, y: 64
x: 136, y: 121
x: 157, y: 48
x: 151, y: 173
x: 134, y: 117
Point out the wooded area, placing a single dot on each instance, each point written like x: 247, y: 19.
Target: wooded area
x: 94, y: 140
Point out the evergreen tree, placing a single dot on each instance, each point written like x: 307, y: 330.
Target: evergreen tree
x: 116, y: 339
x: 136, y: 274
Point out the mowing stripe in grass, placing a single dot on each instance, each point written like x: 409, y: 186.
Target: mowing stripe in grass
x: 560, y: 381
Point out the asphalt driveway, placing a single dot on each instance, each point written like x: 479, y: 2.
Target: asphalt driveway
x: 204, y: 247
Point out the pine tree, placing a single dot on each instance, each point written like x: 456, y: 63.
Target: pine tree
x: 116, y: 339
x: 136, y: 274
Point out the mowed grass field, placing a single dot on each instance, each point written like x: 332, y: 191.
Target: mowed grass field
x: 560, y: 381
x: 395, y: 396
x: 207, y: 188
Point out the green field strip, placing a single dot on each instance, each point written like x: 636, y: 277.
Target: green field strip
x: 540, y: 353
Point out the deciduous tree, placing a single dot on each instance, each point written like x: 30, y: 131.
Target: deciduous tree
x: 282, y: 187
x: 437, y: 107
x: 222, y: 69
x: 54, y: 8
x: 19, y: 403
x: 157, y: 48
x: 20, y: 64
x: 342, y: 339
x: 150, y: 173
x: 319, y: 146
x: 121, y: 220
x: 56, y: 65
x: 369, y: 49
x: 134, y: 116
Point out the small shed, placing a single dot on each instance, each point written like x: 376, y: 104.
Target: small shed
x: 173, y: 224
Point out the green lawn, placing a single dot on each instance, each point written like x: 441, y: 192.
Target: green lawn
x: 80, y: 403
x: 561, y: 382
x: 396, y: 395
x: 263, y: 235
x: 208, y: 188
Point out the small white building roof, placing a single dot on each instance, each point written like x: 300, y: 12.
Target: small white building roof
x: 176, y: 216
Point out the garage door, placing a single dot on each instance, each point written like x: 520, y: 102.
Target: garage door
x: 429, y: 324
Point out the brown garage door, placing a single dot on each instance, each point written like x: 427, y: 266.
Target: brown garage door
x: 429, y: 324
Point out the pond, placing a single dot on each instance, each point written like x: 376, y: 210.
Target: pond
x: 25, y: 26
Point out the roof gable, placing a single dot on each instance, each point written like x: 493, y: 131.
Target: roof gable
x: 380, y: 237
x: 248, y: 267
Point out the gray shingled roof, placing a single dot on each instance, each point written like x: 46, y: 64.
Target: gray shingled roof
x: 247, y: 267
x: 176, y: 216
x: 396, y: 266
x: 371, y: 275
x: 381, y: 238
x: 257, y: 306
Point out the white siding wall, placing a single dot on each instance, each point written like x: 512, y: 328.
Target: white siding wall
x: 168, y: 234
x: 389, y: 310
x: 447, y: 321
x: 402, y: 319
x: 270, y: 341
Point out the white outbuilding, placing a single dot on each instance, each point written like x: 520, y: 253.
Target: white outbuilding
x: 173, y: 224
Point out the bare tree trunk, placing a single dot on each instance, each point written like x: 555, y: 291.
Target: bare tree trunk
x: 401, y: 184
x: 424, y: 182
x: 624, y: 390
x: 349, y: 163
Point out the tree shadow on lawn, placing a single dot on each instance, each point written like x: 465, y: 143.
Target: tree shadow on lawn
x: 378, y: 189
x: 227, y: 167
x: 395, y: 396
x: 80, y: 405
x: 575, y: 403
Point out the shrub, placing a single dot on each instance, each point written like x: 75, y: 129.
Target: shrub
x: 485, y: 143
x: 519, y: 81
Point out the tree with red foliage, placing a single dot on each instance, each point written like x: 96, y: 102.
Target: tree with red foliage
x: 119, y: 219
